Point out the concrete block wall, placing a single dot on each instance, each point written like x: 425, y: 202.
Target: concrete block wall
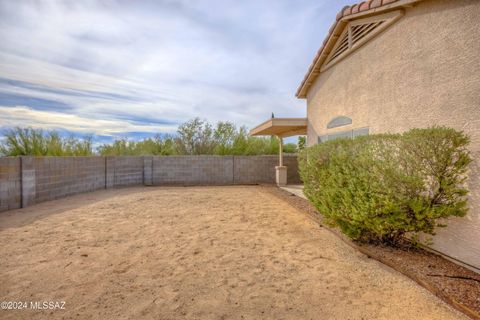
x: 25, y: 181
x: 57, y: 177
x: 10, y: 183
x: 291, y: 162
x: 193, y: 170
x: 220, y: 170
x: 255, y: 169
x: 261, y: 169
x: 128, y: 171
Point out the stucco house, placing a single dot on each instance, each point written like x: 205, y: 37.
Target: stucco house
x: 392, y: 65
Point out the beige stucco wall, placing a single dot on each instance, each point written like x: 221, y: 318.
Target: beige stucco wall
x: 423, y: 70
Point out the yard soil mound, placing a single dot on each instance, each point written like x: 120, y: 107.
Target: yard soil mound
x: 455, y: 284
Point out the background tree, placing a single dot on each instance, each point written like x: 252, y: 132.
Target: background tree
x: 36, y: 142
x: 150, y: 146
x: 224, y: 135
x: 193, y: 137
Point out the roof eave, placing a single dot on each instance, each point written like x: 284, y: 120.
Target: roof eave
x: 322, y: 54
x: 343, y: 17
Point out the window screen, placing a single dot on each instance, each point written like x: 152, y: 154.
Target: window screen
x: 344, y: 134
x: 360, y: 132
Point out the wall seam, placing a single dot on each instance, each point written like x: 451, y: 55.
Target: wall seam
x: 233, y: 170
x: 21, y: 182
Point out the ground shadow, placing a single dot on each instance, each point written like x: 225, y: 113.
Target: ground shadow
x: 21, y: 217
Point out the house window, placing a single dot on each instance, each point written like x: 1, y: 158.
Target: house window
x: 338, y: 122
x: 357, y: 33
x: 344, y: 134
x: 360, y: 132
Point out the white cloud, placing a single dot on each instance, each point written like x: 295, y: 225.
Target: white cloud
x: 160, y: 61
x: 24, y: 116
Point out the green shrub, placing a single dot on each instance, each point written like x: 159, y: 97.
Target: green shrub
x: 378, y: 188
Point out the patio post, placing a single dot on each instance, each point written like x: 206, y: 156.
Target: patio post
x: 280, y: 142
x: 280, y: 170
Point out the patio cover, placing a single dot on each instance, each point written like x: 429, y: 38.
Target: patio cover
x: 281, y: 127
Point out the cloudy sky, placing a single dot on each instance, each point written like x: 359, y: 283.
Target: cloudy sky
x: 136, y: 68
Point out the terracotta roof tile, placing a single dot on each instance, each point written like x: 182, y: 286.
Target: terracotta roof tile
x: 355, y: 8
x: 365, y: 5
x: 345, y: 12
x: 340, y: 13
x: 375, y: 3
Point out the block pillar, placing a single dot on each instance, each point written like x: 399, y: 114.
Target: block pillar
x: 148, y: 171
x: 109, y: 172
x: 28, y: 181
x: 281, y: 175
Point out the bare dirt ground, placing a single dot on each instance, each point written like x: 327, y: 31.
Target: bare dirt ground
x: 194, y: 253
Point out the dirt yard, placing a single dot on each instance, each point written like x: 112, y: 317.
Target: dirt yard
x: 193, y: 253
